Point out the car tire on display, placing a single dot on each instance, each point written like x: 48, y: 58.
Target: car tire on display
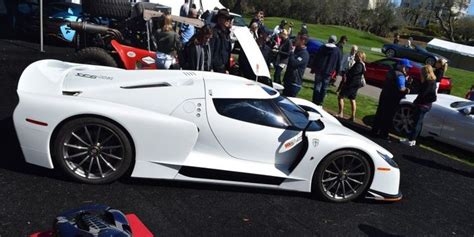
x: 95, y: 56
x: 117, y: 9
x: 92, y: 150
x: 390, y: 53
x: 342, y: 176
x: 404, y: 119
x: 430, y: 61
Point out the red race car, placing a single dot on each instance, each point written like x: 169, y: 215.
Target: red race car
x: 376, y: 71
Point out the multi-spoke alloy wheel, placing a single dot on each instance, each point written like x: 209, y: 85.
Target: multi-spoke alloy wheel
x: 342, y: 176
x: 92, y: 150
x: 404, y: 121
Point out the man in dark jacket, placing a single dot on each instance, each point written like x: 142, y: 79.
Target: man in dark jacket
x: 297, y: 62
x: 281, y: 57
x: 220, y: 43
x: 393, y: 91
x: 327, y: 63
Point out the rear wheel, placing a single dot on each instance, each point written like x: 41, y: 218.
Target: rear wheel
x: 342, y: 176
x: 92, y: 150
x: 95, y: 56
x: 404, y: 119
x: 390, y: 53
x: 117, y: 9
x: 430, y: 61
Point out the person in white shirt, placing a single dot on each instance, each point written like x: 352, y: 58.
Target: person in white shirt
x: 279, y: 28
x: 348, y: 61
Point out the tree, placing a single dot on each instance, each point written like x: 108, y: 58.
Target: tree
x: 447, y: 12
x: 465, y: 28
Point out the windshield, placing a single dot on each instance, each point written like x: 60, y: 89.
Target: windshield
x: 239, y: 21
x: 460, y: 104
x: 297, y: 116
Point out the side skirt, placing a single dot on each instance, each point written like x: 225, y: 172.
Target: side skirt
x: 204, y: 173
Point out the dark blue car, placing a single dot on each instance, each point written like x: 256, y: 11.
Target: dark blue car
x: 415, y: 53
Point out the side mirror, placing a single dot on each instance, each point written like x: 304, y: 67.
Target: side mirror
x: 312, y: 116
x: 466, y: 111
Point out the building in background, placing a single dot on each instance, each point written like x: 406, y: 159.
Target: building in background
x: 372, y: 4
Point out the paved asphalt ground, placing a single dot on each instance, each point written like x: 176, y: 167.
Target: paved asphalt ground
x: 438, y: 192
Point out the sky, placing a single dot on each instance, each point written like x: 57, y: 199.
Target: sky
x: 470, y: 10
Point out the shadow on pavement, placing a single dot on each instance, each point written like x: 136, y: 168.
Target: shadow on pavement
x: 438, y: 166
x: 372, y: 231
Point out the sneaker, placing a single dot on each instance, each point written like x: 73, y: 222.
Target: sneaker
x: 407, y: 142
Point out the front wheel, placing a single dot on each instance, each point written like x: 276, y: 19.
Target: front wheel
x: 342, y: 176
x: 390, y: 53
x: 92, y: 150
x: 430, y: 61
x: 95, y: 56
x: 404, y: 119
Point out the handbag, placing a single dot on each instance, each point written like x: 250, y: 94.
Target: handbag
x: 362, y: 78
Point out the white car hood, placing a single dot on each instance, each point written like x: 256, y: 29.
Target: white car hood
x: 251, y: 49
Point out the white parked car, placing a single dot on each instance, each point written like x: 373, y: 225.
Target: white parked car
x: 97, y: 123
x: 450, y: 120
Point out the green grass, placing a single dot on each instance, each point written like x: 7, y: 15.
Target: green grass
x: 324, y: 31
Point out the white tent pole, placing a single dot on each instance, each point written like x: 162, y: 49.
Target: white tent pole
x: 41, y: 27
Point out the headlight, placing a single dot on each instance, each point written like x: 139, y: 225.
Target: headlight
x: 389, y: 160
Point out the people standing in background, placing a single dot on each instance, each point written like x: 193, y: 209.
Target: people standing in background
x: 187, y: 31
x: 409, y: 43
x: 393, y: 91
x: 347, y: 61
x: 258, y: 18
x: 327, y: 62
x: 220, y: 43
x: 254, y: 30
x: 281, y: 57
x: 197, y: 53
x: 441, y: 66
x: 290, y: 29
x: 396, y: 38
x: 470, y: 94
x: 424, y: 100
x: 340, y: 45
x: 279, y: 28
x: 168, y: 44
x: 297, y: 62
x: 351, y: 84
x: 304, y: 29
x: 183, y: 11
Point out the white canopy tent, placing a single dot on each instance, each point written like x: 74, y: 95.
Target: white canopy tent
x: 459, y: 55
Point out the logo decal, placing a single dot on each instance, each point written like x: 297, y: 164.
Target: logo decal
x: 91, y: 76
x: 131, y: 54
x: 148, y: 60
x: 315, y: 142
x: 291, y: 143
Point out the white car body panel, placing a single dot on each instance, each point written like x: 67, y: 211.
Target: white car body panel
x: 249, y: 45
x: 173, y: 123
x: 447, y: 124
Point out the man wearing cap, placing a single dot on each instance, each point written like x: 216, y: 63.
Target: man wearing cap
x: 393, y: 91
x: 327, y: 63
x: 297, y: 62
x: 220, y: 42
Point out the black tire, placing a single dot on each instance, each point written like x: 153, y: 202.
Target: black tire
x: 430, y: 60
x: 404, y: 119
x: 88, y: 150
x: 333, y: 174
x: 95, y: 56
x: 117, y: 9
x: 390, y: 53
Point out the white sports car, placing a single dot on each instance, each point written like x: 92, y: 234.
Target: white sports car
x: 450, y: 120
x: 97, y: 123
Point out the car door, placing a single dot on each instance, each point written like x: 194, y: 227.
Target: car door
x: 254, y: 130
x: 458, y: 128
x: 379, y: 70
